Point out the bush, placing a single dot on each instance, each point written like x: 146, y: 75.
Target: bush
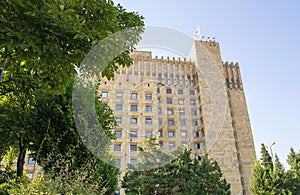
x: 4, y: 187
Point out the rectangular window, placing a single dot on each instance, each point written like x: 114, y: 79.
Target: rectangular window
x: 171, y: 146
x: 148, y: 121
x: 180, y: 91
x: 181, y: 102
x: 104, y: 95
x: 119, y: 107
x: 158, y: 90
x: 119, y: 95
x: 169, y: 111
x: 182, y: 123
x: 181, y: 112
x: 30, y: 176
x: 158, y: 111
x: 133, y: 108
x: 159, y: 122
x: 158, y: 100
x: 134, y: 96
x: 196, y: 134
x: 133, y: 162
x: 193, y: 102
x: 148, y: 96
x: 194, y: 123
x: 148, y: 108
x: 183, y: 134
x: 118, y: 162
x: 117, y: 147
x: 118, y: 133
x: 194, y: 112
x: 133, y: 134
x: 31, y: 160
x: 169, y: 101
x: 133, y: 148
x: 133, y: 121
x: 170, y: 122
x: 196, y: 145
x: 192, y: 92
x: 119, y: 120
x: 148, y: 134
x: 159, y: 134
x: 169, y: 91
x: 171, y: 134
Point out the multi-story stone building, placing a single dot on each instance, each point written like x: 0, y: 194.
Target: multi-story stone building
x: 198, y: 102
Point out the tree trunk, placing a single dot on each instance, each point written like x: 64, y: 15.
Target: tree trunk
x: 21, y: 161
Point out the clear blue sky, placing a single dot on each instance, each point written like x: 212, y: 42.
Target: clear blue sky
x: 264, y: 37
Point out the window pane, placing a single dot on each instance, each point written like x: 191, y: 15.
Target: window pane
x: 133, y: 121
x: 118, y: 133
x: 119, y: 107
x: 194, y: 123
x: 169, y: 101
x: 149, y: 134
x: 133, y: 134
x: 171, y: 133
x: 194, y: 112
x: 133, y: 147
x: 196, y: 134
x: 192, y: 92
x: 171, y: 145
x: 30, y: 160
x: 148, y: 108
x: 134, y: 96
x: 181, y: 112
x: 148, y: 96
x: 119, y: 120
x: 119, y: 95
x: 148, y: 121
x: 104, y: 95
x: 183, y: 134
x: 169, y: 111
x: 180, y: 91
x: 133, y: 161
x: 193, y: 102
x: 133, y: 108
x: 180, y: 102
x: 182, y: 122
x: 170, y: 122
x: 117, y: 147
x: 169, y: 91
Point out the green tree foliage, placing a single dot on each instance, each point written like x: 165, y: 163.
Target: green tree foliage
x: 270, y: 177
x: 180, y: 176
x: 42, y: 41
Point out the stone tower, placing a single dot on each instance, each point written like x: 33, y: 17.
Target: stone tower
x: 197, y: 102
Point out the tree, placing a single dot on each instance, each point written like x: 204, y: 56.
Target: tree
x: 293, y: 174
x: 41, y: 42
x: 270, y: 177
x: 180, y: 176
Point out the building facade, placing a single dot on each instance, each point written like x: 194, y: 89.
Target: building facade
x: 197, y: 102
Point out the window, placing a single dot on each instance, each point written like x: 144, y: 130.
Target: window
x: 148, y: 121
x: 133, y: 134
x: 119, y: 95
x: 180, y: 91
x: 133, y: 162
x: 193, y: 102
x: 148, y: 134
x: 133, y: 108
x: 171, y: 134
x: 30, y: 175
x: 158, y: 100
x: 118, y: 162
x: 148, y: 96
x: 148, y: 108
x: 158, y: 111
x: 118, y: 133
x: 192, y: 92
x: 194, y: 112
x: 169, y: 111
x: 117, y: 147
x: 133, y: 121
x: 194, y: 123
x: 159, y: 134
x: 180, y: 102
x: 159, y: 122
x: 169, y: 91
x: 183, y: 134
x: 104, y: 95
x: 134, y: 96
x: 119, y: 107
x: 197, y: 157
x: 196, y: 134
x: 171, y: 146
x: 119, y: 120
x: 31, y: 160
x: 196, y: 145
x: 185, y: 145
x: 160, y: 144
x: 182, y: 123
x: 158, y: 90
x: 181, y: 112
x: 170, y: 122
x: 133, y: 148
x: 169, y: 101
